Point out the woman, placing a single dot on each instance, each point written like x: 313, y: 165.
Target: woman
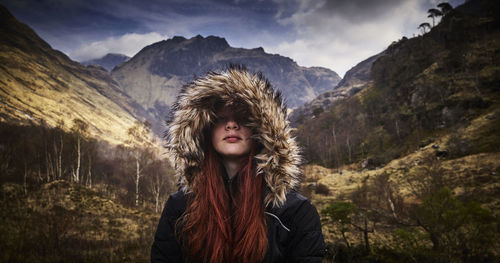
x: 237, y: 166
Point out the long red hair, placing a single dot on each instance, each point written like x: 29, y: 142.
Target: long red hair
x: 216, y: 231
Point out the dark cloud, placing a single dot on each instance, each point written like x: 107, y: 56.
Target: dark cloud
x: 69, y: 23
x: 70, y: 17
x: 331, y: 33
x: 359, y: 10
x: 118, y: 17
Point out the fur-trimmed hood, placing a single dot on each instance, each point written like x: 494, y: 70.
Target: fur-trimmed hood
x: 279, y: 157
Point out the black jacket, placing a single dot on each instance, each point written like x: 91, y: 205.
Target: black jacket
x: 293, y: 232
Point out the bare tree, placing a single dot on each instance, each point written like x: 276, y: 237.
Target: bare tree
x: 79, y: 130
x: 141, y: 148
x: 58, y: 151
x: 335, y: 148
x: 160, y: 182
x: 88, y: 182
x: 45, y: 138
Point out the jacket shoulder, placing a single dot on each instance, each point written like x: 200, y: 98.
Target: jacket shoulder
x: 297, y: 211
x: 179, y: 195
x: 176, y: 204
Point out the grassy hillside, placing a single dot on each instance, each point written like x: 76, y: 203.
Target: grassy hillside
x: 39, y: 84
x: 402, y: 206
x: 60, y: 221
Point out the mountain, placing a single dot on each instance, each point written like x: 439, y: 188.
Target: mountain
x: 355, y: 80
x: 155, y: 75
x: 109, y: 61
x: 42, y: 85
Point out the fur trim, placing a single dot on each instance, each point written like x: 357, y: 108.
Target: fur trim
x: 279, y: 158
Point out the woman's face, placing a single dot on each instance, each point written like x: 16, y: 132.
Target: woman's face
x: 230, y: 137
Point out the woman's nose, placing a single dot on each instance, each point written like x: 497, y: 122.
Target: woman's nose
x: 231, y: 124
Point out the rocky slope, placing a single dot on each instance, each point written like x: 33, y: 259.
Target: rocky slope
x: 39, y: 84
x: 355, y: 80
x: 154, y: 76
x: 109, y: 61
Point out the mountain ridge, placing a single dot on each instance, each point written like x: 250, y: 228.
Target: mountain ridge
x: 108, y: 61
x: 162, y: 68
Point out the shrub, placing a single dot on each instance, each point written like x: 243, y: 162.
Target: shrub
x: 458, y: 231
x: 322, y: 189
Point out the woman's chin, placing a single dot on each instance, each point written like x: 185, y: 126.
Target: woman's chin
x: 234, y: 155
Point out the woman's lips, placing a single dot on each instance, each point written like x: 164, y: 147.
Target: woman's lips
x: 232, y: 139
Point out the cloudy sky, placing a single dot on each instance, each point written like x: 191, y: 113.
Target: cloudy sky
x: 336, y: 34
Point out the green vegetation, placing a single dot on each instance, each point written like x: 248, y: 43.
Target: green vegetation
x: 340, y: 213
x: 449, y: 230
x: 376, y: 223
x: 458, y: 231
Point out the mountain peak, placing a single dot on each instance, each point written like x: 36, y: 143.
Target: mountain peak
x: 214, y: 42
x: 177, y: 39
x: 259, y: 49
x: 109, y: 61
x: 208, y: 44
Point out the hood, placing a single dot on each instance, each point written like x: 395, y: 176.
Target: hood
x: 278, y: 158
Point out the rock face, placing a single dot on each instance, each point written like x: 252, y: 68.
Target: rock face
x: 109, y: 61
x: 42, y: 85
x: 355, y: 80
x: 155, y: 75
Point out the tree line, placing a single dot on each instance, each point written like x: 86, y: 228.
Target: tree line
x: 64, y: 195
x: 36, y: 154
